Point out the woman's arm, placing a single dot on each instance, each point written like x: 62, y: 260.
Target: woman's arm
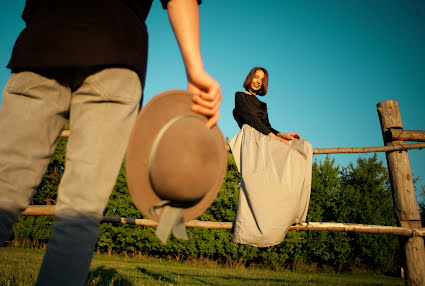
x: 184, y: 19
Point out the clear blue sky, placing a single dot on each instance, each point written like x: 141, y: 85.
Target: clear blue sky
x: 330, y: 62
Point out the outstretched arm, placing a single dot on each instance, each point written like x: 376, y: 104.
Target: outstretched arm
x: 184, y: 19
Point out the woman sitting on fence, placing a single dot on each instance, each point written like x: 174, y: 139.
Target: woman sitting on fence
x: 275, y: 168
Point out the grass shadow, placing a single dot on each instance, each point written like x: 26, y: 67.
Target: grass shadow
x: 106, y: 276
x: 219, y: 279
x: 157, y: 276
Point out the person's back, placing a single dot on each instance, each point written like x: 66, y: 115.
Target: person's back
x: 83, y: 33
x: 82, y: 61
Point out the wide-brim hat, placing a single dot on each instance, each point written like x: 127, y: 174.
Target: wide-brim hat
x: 173, y: 157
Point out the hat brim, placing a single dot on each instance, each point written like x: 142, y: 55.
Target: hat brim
x: 157, y: 112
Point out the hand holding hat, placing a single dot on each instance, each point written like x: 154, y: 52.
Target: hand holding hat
x: 175, y: 164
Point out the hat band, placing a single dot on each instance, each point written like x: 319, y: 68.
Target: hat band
x: 155, y: 145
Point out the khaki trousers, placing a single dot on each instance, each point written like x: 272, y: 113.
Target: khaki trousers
x: 102, y: 106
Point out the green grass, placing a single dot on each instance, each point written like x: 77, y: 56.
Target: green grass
x: 19, y: 267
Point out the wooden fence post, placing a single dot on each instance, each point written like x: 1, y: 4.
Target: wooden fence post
x: 405, y: 204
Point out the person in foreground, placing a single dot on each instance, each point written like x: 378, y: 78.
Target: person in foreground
x: 84, y: 61
x: 275, y: 167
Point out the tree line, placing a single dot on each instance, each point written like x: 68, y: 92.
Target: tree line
x: 358, y: 193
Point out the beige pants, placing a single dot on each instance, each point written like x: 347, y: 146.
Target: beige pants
x: 102, y: 107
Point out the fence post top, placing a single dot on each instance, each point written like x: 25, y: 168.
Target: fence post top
x: 388, y: 101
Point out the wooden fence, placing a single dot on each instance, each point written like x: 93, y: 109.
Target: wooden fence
x: 407, y: 213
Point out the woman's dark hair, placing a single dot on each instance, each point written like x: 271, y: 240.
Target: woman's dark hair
x: 250, y: 77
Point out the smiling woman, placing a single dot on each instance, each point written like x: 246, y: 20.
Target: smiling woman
x: 250, y: 110
x: 276, y: 177
x: 257, y: 81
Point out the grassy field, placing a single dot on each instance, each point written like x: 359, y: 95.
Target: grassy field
x: 19, y: 267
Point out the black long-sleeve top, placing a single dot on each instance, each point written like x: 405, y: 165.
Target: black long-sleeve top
x: 83, y: 33
x: 250, y: 110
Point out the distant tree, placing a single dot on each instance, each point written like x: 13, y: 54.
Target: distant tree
x: 115, y: 236
x: 47, y: 191
x: 35, y: 231
x: 326, y: 248
x: 226, y: 203
x: 365, y: 198
x: 324, y: 190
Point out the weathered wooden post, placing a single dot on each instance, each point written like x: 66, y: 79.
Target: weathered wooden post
x: 405, y: 204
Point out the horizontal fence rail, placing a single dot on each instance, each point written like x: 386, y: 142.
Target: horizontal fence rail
x: 398, y: 147
x: 317, y: 226
x: 405, y: 135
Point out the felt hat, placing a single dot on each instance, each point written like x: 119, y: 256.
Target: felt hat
x: 173, y: 158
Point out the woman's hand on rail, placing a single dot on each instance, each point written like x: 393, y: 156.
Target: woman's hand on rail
x: 207, y: 96
x: 284, y: 141
x: 289, y: 136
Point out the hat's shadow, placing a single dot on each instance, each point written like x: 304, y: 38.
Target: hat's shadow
x: 104, y: 276
x: 157, y: 277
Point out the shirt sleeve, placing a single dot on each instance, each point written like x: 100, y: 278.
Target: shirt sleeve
x: 248, y: 115
x: 165, y: 2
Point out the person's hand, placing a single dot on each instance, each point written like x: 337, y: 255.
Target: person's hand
x: 207, y: 96
x: 289, y: 136
x: 284, y: 141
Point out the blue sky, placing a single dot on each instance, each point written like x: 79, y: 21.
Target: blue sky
x: 329, y: 61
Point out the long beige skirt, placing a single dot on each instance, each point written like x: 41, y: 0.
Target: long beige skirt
x: 275, y: 187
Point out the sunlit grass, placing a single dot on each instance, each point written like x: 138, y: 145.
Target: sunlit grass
x: 20, y: 266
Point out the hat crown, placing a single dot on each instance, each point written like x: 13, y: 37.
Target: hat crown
x: 185, y: 161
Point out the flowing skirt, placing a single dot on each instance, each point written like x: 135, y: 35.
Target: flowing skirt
x: 275, y: 187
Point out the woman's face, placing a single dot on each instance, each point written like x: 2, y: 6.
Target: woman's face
x: 257, y: 81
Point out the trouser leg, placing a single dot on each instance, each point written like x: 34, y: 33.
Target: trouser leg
x: 103, y: 111
x: 32, y: 115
